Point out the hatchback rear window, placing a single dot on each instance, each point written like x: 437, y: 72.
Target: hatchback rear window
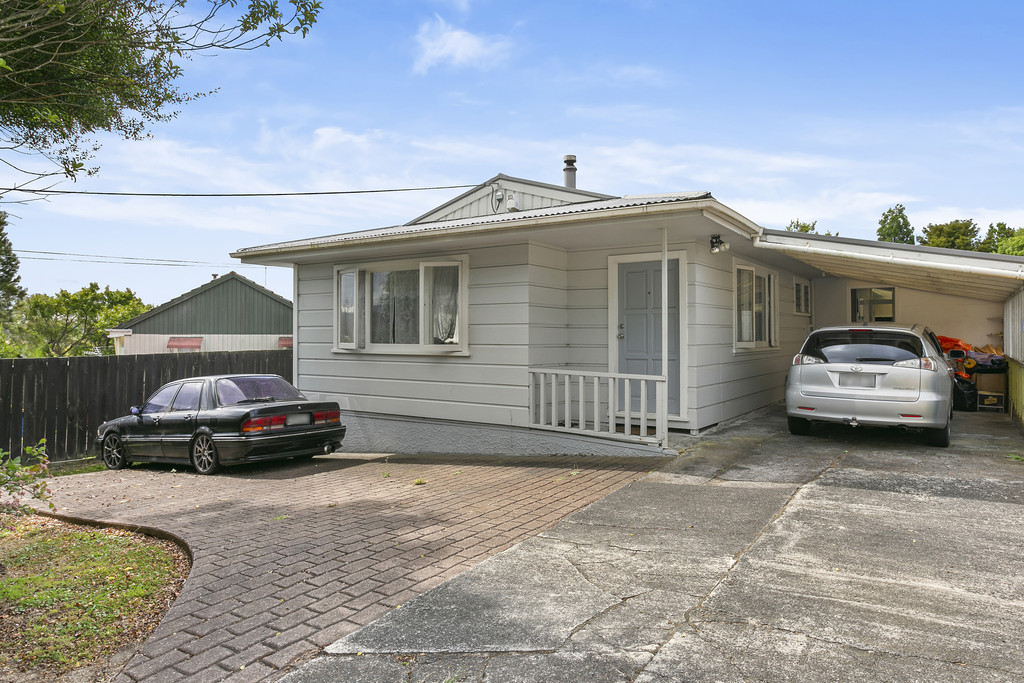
x: 863, y: 346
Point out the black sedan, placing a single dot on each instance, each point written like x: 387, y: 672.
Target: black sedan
x: 222, y: 420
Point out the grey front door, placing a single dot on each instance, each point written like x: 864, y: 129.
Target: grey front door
x: 639, y: 328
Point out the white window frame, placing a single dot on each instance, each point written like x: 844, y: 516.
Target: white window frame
x: 802, y: 305
x: 771, y: 279
x: 363, y: 278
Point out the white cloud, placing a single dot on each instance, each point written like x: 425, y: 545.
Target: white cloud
x: 441, y: 43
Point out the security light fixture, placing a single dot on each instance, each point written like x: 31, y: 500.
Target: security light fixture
x: 718, y: 245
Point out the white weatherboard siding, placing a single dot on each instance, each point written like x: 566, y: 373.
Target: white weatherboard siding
x: 725, y: 381
x: 487, y: 386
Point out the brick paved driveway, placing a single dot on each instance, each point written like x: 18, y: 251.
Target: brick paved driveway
x: 289, y: 557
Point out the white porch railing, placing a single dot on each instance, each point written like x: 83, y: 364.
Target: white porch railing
x: 583, y: 402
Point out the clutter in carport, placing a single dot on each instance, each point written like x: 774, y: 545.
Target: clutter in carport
x: 980, y: 379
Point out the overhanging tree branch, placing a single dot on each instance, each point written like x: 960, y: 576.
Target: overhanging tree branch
x: 74, y: 68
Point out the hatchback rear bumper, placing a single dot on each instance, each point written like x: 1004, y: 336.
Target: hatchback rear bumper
x: 928, y: 411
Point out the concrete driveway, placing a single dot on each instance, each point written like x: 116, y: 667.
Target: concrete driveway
x: 755, y: 556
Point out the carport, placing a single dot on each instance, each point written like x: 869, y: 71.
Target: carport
x: 970, y: 295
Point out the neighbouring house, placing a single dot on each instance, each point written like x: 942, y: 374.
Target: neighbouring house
x: 229, y: 313
x: 526, y: 317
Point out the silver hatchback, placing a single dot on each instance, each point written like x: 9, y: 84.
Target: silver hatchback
x: 878, y: 375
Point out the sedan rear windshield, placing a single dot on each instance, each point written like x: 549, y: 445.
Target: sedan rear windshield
x: 236, y: 390
x: 863, y: 346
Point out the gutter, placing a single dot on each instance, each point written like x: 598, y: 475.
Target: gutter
x: 891, y: 259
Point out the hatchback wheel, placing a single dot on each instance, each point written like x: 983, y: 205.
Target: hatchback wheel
x: 798, y: 425
x: 113, y: 452
x: 204, y: 455
x: 937, y: 437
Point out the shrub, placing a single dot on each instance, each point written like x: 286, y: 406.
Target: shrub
x: 19, y: 481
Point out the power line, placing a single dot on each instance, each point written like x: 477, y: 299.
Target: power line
x: 122, y: 260
x: 232, y: 194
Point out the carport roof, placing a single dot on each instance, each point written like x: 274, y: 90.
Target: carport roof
x: 989, y: 277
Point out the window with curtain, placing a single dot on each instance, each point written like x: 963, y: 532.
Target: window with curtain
x: 395, y: 307
x: 405, y: 307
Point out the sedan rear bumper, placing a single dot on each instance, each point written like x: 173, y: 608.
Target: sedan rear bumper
x: 929, y: 411
x: 235, y: 448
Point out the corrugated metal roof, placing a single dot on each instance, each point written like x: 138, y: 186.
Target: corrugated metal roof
x: 976, y: 275
x: 481, y: 221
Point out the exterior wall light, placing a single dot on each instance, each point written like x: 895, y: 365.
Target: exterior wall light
x: 718, y: 245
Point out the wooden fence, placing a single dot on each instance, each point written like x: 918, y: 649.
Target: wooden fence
x: 64, y: 400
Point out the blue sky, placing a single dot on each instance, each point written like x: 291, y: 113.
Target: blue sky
x: 813, y: 110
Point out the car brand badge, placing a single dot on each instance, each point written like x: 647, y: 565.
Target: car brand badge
x: 856, y: 368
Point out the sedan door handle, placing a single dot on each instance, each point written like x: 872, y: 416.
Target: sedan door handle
x: 189, y: 417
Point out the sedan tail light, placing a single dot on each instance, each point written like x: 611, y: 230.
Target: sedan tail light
x: 263, y: 424
x: 326, y: 417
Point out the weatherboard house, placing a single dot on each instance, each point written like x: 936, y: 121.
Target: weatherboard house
x: 525, y: 317
x: 228, y: 313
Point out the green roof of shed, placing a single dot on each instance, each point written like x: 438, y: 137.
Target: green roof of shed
x: 229, y: 304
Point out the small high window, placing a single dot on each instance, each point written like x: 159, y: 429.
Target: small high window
x: 801, y: 296
x: 873, y: 305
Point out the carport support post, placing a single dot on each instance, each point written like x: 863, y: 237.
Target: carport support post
x: 662, y: 387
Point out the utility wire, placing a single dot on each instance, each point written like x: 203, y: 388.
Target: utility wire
x: 232, y: 194
x: 122, y: 260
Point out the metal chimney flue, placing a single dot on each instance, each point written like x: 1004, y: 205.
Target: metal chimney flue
x: 570, y: 170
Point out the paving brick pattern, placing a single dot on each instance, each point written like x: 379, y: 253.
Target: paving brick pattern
x: 288, y: 557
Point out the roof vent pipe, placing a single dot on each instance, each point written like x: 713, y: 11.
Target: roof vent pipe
x: 570, y: 170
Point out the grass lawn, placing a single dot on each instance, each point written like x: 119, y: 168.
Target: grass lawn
x: 73, y: 596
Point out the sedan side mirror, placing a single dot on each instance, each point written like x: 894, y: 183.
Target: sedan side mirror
x: 135, y: 411
x: 957, y: 354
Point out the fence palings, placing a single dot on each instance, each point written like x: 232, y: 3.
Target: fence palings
x: 64, y: 400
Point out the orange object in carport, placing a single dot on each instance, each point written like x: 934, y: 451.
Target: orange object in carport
x: 948, y: 343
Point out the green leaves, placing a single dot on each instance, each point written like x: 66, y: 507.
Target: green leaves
x: 72, y: 323
x: 18, y: 481
x: 75, y: 68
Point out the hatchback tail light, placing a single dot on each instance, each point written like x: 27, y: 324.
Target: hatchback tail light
x: 918, y: 363
x: 326, y: 417
x: 804, y: 359
x: 263, y: 423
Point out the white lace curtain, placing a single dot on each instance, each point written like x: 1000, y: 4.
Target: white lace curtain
x: 395, y: 317
x: 444, y: 304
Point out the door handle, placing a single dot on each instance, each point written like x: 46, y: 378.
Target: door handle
x: 620, y: 335
x: 189, y: 417
x: 156, y: 420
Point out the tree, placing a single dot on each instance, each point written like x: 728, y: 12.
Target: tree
x: 894, y: 226
x: 72, y: 323
x: 958, y: 234
x: 996, y: 234
x: 1012, y: 245
x: 72, y: 68
x: 797, y: 225
x: 10, y: 291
